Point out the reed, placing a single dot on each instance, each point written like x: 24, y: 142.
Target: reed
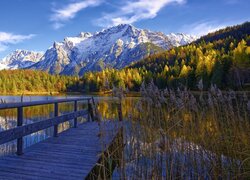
x: 178, y: 135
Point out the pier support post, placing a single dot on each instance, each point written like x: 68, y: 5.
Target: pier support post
x: 19, y: 123
x: 56, y: 114
x: 120, y: 111
x: 75, y: 109
x: 91, y: 113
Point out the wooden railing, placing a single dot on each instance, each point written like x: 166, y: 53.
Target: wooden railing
x: 23, y: 130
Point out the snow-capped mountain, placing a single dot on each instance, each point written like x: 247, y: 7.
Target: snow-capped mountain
x: 20, y: 59
x: 116, y: 47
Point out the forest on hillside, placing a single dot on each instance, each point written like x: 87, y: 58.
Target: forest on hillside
x: 30, y: 81
x: 221, y: 58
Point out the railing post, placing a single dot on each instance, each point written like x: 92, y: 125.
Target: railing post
x: 56, y: 114
x: 19, y: 123
x: 75, y: 109
x: 120, y: 111
x: 96, y: 117
x: 90, y: 110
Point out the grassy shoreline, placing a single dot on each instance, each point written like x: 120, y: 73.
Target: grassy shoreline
x: 129, y: 94
x: 30, y: 93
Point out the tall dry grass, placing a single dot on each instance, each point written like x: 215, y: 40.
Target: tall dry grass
x: 175, y: 134
x: 181, y: 135
x: 178, y: 135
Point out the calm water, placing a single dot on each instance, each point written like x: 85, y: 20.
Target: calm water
x: 8, y: 118
x: 196, y: 146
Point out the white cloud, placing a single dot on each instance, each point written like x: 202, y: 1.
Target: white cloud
x: 13, y: 38
x: 68, y: 12
x: 136, y: 10
x: 203, y: 28
x: 7, y: 39
x: 57, y: 25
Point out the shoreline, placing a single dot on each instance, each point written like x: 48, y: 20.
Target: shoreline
x: 130, y: 94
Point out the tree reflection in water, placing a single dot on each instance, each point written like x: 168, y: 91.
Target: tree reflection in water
x: 168, y: 134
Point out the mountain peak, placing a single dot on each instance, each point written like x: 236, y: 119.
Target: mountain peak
x: 120, y: 26
x: 18, y: 51
x: 117, y: 29
x: 20, y: 59
x: 124, y: 26
x: 57, y: 44
x: 85, y: 35
x: 115, y: 47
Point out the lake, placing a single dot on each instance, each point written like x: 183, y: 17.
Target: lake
x: 179, y: 136
x: 8, y: 118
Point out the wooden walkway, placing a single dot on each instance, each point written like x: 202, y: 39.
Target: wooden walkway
x: 71, y: 155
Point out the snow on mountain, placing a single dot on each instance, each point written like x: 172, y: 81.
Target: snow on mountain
x: 55, y: 58
x: 180, y: 39
x: 115, y: 47
x: 20, y: 59
x: 3, y: 66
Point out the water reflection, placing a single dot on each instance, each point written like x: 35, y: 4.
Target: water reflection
x: 171, y: 158
x: 172, y: 139
x: 162, y: 142
x: 8, y: 119
x: 107, y: 107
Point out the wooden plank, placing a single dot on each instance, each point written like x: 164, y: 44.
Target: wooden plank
x: 44, y: 167
x: 37, y: 103
x: 13, y: 176
x: 18, y: 132
x: 41, y: 173
x: 57, y: 160
x: 72, y: 155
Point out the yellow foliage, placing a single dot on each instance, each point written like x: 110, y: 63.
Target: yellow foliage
x: 184, y: 71
x: 248, y: 50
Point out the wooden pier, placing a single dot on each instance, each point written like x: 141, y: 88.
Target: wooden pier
x: 72, y: 154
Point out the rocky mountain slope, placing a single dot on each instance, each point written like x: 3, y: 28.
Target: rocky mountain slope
x: 115, y: 47
x: 20, y: 59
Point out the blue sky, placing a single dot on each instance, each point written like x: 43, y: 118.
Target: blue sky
x: 36, y: 24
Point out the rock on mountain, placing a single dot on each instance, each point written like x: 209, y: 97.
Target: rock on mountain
x: 115, y: 47
x: 20, y: 59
